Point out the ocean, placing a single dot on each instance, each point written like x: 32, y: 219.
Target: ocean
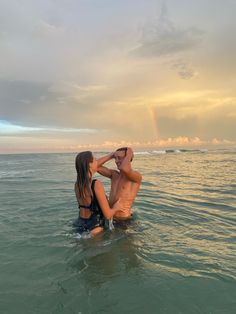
x: 178, y: 255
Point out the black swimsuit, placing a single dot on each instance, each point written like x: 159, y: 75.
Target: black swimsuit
x: 95, y: 220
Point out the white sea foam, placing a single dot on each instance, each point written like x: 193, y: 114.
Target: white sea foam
x: 159, y: 152
x: 84, y: 235
x: 142, y: 153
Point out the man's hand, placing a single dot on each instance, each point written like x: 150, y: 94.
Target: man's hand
x: 126, y: 168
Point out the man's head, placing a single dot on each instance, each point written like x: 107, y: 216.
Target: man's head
x: 119, y: 155
x: 122, y: 149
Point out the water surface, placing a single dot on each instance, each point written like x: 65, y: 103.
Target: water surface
x: 177, y: 256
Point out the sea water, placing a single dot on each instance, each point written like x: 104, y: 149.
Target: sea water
x: 178, y: 255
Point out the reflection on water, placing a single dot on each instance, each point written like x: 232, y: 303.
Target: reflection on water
x: 96, y: 265
x: 105, y: 260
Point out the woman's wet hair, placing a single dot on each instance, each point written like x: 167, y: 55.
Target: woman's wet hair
x: 82, y: 162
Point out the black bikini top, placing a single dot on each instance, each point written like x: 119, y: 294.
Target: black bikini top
x: 94, y: 205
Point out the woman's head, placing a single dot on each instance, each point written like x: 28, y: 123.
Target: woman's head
x: 82, y: 162
x: 85, y: 165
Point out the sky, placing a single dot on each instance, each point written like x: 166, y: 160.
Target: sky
x: 100, y: 74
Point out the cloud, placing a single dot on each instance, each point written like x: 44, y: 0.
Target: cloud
x: 29, y: 144
x: 207, y: 114
x: 162, y: 38
x: 67, y: 105
x: 73, y: 89
x: 185, y: 70
x: 7, y: 129
x: 171, y: 142
x: 21, y: 100
x: 48, y: 30
x: 67, y: 65
x: 42, y: 104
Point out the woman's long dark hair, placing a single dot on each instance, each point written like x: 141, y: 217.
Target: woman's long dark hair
x: 82, y: 161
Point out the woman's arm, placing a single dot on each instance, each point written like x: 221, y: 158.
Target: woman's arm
x: 102, y: 200
x: 104, y: 159
x: 104, y: 171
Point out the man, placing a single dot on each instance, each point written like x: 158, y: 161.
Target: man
x: 125, y: 182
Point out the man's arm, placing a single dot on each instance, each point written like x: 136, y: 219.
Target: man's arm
x: 104, y: 171
x: 126, y: 168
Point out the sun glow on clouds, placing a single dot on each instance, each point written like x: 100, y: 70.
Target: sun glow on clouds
x: 180, y: 142
x: 28, y: 143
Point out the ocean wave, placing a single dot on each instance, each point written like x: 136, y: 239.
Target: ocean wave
x: 16, y: 174
x: 171, y: 151
x: 160, y: 152
x: 142, y: 153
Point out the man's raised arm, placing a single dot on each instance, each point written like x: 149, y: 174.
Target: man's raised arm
x: 104, y: 171
x: 126, y: 168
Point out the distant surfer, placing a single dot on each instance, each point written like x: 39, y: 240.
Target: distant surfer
x: 125, y: 182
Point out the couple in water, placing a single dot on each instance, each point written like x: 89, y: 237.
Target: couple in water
x: 94, y: 207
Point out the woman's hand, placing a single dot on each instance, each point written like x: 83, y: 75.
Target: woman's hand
x: 117, y: 207
x: 116, y: 204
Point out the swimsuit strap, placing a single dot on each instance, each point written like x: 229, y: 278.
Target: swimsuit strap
x: 85, y: 206
x: 92, y: 186
x: 95, y: 205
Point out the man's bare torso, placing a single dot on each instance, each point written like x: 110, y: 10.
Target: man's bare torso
x: 125, y: 190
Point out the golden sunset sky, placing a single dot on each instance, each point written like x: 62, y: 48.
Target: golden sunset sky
x: 99, y: 74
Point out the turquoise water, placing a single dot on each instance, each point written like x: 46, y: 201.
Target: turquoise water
x: 177, y: 256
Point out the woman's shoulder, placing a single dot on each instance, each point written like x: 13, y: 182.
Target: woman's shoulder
x: 97, y: 184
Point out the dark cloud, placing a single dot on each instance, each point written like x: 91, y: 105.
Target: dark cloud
x: 46, y: 104
x: 184, y: 69
x: 19, y: 98
x: 68, y: 105
x: 162, y: 37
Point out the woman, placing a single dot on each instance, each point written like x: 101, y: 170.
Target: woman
x: 91, y: 197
